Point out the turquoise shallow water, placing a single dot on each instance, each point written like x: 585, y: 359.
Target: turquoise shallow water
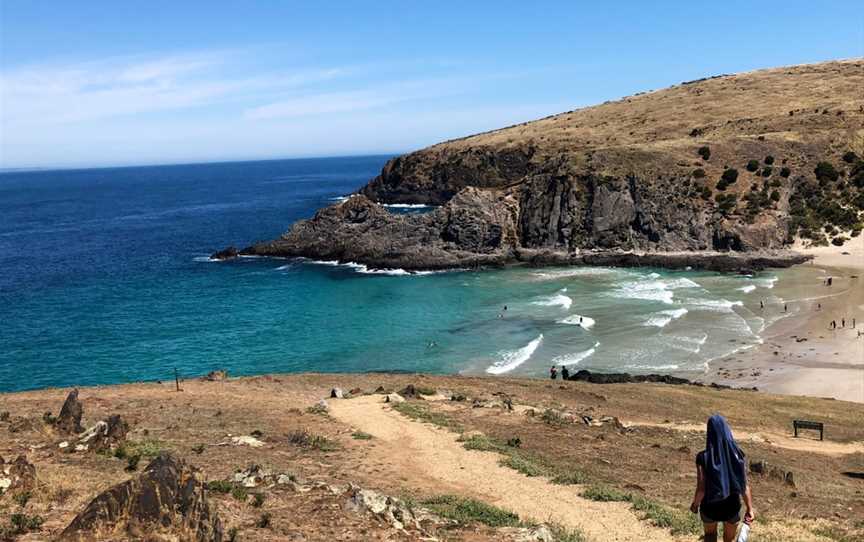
x: 105, y: 279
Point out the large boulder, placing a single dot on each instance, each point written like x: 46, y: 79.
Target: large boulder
x: 166, y: 502
x: 17, y: 476
x: 69, y: 420
x: 105, y: 435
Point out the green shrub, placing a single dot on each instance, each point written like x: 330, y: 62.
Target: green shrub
x: 570, y: 477
x: 233, y: 532
x: 850, y: 157
x: 264, y: 521
x: 704, y: 152
x: 825, y: 172
x: 769, y: 160
x: 305, y: 439
x: 730, y: 175
x: 360, y: 435
x: 258, y: 500
x: 605, y: 494
x: 526, y: 465
x: 22, y: 523
x: 465, y: 510
x: 785, y: 172
x: 422, y: 412
x: 775, y: 195
x: 553, y: 417
x: 239, y: 493
x: 21, y: 499
x: 839, y: 241
x: 132, y: 462
x: 752, y: 165
x: 220, y: 486
x: 698, y: 173
x: 766, y: 171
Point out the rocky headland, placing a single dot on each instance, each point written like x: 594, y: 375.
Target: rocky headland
x: 722, y: 173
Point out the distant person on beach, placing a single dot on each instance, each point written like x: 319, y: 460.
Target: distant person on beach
x: 785, y: 307
x: 721, y: 482
x: 505, y: 308
x: 761, y: 304
x: 818, y: 306
x: 565, y: 373
x: 842, y: 322
x: 553, y: 373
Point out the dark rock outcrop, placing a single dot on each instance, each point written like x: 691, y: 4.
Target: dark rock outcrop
x: 624, y: 378
x: 166, y: 502
x: 69, y: 420
x: 622, y: 183
x: 225, y: 254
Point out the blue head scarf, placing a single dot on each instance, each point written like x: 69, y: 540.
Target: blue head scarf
x: 725, y: 469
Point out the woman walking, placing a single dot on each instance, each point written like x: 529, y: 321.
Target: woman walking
x: 721, y: 482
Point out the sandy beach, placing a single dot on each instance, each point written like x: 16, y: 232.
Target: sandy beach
x: 804, y: 354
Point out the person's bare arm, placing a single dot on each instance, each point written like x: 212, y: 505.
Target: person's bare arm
x: 700, y: 490
x: 750, y: 515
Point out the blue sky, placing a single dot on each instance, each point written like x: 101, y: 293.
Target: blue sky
x: 108, y: 83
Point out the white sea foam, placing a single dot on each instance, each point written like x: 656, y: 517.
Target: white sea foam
x: 747, y: 289
x: 205, y: 259
x: 654, y: 290
x: 576, y: 357
x: 573, y: 272
x: 688, y: 344
x: 284, y: 267
x: 578, y: 320
x: 669, y: 367
x: 714, y: 305
x: 766, y: 282
x: 366, y: 270
x: 407, y: 206
x: 555, y: 300
x: 510, y: 359
x: 662, y: 318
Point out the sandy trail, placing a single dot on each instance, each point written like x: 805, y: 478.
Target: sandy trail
x: 801, y: 444
x: 436, y: 454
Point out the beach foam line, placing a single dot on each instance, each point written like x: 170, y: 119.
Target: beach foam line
x: 574, y: 272
x: 514, y: 358
x: 766, y: 282
x: 661, y: 319
x: 714, y: 305
x: 746, y: 289
x: 688, y: 344
x: 573, y: 320
x: 668, y: 367
x: 366, y: 270
x: 408, y: 206
x: 576, y: 357
x: 555, y: 300
x: 205, y: 259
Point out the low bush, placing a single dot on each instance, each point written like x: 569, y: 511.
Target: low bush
x: 825, y: 172
x: 752, y: 165
x: 698, y: 173
x: 850, y: 157
x: 704, y: 152
x: 769, y: 160
x: 466, y: 510
x: 785, y: 172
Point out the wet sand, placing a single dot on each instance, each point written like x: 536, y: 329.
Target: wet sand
x: 802, y: 354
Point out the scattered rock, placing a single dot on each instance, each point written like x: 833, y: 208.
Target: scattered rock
x: 391, y: 510
x: 541, y: 533
x: 410, y: 392
x: 105, y: 435
x: 458, y: 397
x: 17, y: 476
x: 355, y: 392
x: 219, y: 375
x: 336, y: 393
x: 773, y: 472
x: 69, y: 420
x: 253, y: 476
x: 166, y: 498
x: 246, y: 440
x: 394, y: 398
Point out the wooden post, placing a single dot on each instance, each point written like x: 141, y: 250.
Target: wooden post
x: 177, y: 378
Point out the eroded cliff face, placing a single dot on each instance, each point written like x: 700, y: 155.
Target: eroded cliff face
x: 710, y: 165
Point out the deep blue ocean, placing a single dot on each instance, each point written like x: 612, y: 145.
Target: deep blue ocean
x: 104, y: 278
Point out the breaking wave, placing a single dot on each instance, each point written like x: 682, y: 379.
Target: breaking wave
x: 662, y: 318
x: 578, y: 320
x: 510, y: 359
x: 746, y: 289
x: 556, y: 300
x: 576, y: 357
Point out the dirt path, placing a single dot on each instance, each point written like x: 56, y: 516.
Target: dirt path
x: 435, y: 453
x: 801, y: 444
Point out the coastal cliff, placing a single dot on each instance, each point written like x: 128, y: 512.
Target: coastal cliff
x: 729, y: 169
